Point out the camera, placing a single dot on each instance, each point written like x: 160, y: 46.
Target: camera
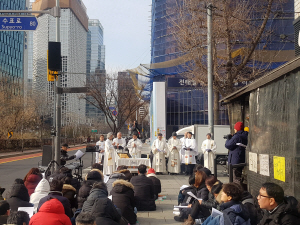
x: 227, y: 136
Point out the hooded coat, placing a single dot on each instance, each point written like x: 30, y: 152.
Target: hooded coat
x: 286, y: 214
x: 69, y: 192
x: 112, y: 179
x: 31, y: 182
x: 123, y: 198
x: 19, y: 197
x: 156, y: 183
x: 143, y: 193
x: 236, y: 152
x: 234, y: 213
x: 41, y: 190
x: 248, y: 202
x: 94, y: 195
x: 51, y: 213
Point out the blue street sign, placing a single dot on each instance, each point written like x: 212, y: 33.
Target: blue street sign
x: 18, y: 23
x: 115, y: 113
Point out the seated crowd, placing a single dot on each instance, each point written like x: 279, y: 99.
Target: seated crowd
x: 98, y: 200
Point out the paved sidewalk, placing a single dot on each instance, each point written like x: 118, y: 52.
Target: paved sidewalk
x: 164, y: 209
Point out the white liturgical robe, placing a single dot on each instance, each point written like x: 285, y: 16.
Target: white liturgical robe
x: 101, y: 145
x: 209, y: 149
x: 135, y: 152
x: 160, y: 150
x: 174, y: 155
x: 109, y: 158
x: 189, y: 155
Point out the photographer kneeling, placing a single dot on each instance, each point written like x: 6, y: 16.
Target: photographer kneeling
x: 236, y: 146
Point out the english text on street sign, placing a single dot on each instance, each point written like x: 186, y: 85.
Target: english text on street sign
x: 18, y: 23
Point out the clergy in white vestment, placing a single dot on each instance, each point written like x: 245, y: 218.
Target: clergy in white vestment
x: 209, y: 148
x: 109, y: 158
x: 190, y: 151
x: 160, y: 150
x: 120, y: 142
x: 174, y: 146
x: 101, y: 149
x: 182, y: 153
x: 135, y: 146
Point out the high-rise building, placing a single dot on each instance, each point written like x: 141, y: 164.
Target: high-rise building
x: 73, y: 37
x: 12, y: 49
x: 186, y: 104
x: 95, y: 68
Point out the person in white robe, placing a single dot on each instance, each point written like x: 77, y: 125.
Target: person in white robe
x: 135, y: 146
x: 209, y: 149
x: 120, y: 144
x: 160, y: 150
x: 109, y: 166
x: 174, y: 146
x: 190, y: 151
x: 182, y: 153
x: 101, y: 149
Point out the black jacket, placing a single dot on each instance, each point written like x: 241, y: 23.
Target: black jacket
x: 95, y: 194
x: 285, y: 214
x: 202, y: 192
x: 211, y: 202
x: 84, y: 192
x: 248, y: 202
x: 143, y: 193
x: 65, y: 157
x: 235, y: 213
x: 123, y: 198
x: 64, y: 201
x: 157, y: 185
x: 105, y: 212
x: 187, y: 198
x: 19, y: 197
x: 237, y: 153
x: 112, y: 179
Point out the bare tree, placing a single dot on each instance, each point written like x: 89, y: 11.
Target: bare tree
x: 118, y: 94
x: 238, y: 28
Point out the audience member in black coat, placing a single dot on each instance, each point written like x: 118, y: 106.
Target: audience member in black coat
x: 56, y: 187
x: 4, y: 211
x: 16, y: 181
x: 248, y: 202
x: 19, y: 197
x: 99, y: 190
x: 92, y: 177
x: 157, y: 185
x: 123, y: 198
x: 143, y: 190
x: 18, y: 218
x: 69, y: 192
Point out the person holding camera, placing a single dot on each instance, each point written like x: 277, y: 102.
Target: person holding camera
x: 236, y: 145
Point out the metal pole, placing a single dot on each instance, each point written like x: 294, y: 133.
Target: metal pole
x: 58, y: 101
x: 210, y: 71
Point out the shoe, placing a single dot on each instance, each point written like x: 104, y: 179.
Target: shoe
x: 189, y: 221
x: 178, y: 219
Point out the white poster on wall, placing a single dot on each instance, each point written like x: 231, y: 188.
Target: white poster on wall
x: 253, y: 162
x: 264, y: 164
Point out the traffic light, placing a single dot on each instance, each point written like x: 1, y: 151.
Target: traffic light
x: 54, y: 56
x: 51, y: 75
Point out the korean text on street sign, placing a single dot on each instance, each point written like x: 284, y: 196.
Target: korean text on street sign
x: 18, y: 23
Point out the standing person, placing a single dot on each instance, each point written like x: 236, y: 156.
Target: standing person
x: 279, y: 211
x: 109, y: 158
x: 236, y: 146
x: 135, y: 128
x: 182, y: 153
x: 100, y: 154
x: 120, y: 142
x: 135, y: 146
x: 64, y: 155
x: 209, y: 148
x: 160, y: 150
x: 31, y: 180
x: 190, y: 151
x: 174, y: 145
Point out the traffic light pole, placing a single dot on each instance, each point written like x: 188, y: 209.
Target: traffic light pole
x: 58, y: 101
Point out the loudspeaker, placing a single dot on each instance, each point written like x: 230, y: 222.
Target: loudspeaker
x: 54, y: 56
x: 47, y: 155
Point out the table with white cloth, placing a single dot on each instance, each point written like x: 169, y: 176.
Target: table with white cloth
x: 133, y: 164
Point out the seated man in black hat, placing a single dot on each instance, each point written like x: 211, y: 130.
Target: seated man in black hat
x: 64, y: 155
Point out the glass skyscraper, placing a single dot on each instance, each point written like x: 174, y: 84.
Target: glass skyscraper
x: 95, y: 66
x: 12, y: 48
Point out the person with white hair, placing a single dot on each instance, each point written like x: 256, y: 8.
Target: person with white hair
x: 109, y: 158
x: 120, y: 142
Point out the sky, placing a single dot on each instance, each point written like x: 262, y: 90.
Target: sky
x: 127, y: 30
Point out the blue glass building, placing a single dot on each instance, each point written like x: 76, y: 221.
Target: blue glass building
x: 95, y: 66
x: 187, y: 104
x: 12, y: 47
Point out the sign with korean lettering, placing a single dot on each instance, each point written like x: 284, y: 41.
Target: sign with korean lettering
x: 18, y: 23
x: 253, y: 162
x: 181, y: 82
x: 279, y: 168
x: 264, y: 164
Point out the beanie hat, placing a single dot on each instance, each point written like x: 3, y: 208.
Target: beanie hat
x: 239, y: 126
x: 151, y: 170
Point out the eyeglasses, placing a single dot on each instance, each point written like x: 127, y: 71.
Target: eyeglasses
x: 259, y: 196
